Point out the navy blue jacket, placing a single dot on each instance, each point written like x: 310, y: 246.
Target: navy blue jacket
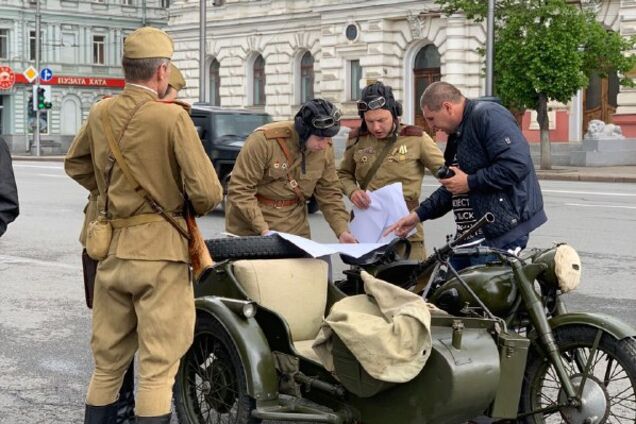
x: 491, y: 149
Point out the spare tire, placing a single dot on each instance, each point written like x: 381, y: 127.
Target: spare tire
x: 253, y: 247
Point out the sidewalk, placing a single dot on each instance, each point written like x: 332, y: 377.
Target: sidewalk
x: 614, y: 174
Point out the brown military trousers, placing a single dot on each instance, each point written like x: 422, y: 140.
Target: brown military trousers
x: 146, y: 306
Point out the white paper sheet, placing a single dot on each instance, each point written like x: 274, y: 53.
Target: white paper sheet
x: 315, y: 249
x: 387, y: 206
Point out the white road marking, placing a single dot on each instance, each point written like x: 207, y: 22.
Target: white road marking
x: 600, y: 206
x: 19, y: 259
x: 52, y: 175
x: 24, y: 165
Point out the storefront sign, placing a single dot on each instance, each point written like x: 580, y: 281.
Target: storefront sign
x: 7, y: 77
x: 79, y: 81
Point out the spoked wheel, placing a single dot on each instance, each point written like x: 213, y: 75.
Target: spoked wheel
x: 211, y: 380
x: 609, y: 391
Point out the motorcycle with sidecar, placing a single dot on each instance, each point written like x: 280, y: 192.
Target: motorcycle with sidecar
x: 503, y: 344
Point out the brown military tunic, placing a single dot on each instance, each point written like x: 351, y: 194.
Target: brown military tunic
x: 259, y: 179
x: 414, y: 151
x: 143, y: 299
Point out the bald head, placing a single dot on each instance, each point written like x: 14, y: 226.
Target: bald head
x: 439, y: 92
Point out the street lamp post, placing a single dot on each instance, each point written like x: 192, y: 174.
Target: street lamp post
x: 36, y: 134
x: 490, y: 47
x: 202, y: 38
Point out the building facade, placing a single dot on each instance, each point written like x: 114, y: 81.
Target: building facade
x: 81, y: 44
x: 274, y: 54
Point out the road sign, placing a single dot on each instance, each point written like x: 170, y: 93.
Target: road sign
x: 7, y: 77
x: 30, y: 73
x: 46, y: 74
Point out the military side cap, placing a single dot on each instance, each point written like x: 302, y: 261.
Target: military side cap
x: 176, y: 80
x: 147, y: 43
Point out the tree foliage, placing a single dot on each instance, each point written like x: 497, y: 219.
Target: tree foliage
x: 546, y: 49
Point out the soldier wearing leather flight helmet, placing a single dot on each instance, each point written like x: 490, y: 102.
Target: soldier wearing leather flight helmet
x: 280, y: 166
x: 383, y: 151
x: 143, y: 294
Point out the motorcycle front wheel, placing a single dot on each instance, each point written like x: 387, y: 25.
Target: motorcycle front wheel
x: 609, y: 392
x: 210, y: 383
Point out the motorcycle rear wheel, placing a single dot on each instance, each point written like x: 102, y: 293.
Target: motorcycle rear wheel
x: 210, y: 383
x: 610, y: 389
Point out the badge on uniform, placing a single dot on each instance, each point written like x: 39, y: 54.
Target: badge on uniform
x: 367, y: 150
x: 284, y: 165
x: 276, y: 165
x: 364, y: 159
x: 402, y: 151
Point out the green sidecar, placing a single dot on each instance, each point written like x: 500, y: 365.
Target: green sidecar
x: 252, y: 360
x: 503, y: 345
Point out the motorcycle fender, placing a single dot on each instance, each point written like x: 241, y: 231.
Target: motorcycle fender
x: 251, y: 345
x: 617, y: 328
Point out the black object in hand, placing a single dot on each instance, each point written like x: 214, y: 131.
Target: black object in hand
x: 444, y: 172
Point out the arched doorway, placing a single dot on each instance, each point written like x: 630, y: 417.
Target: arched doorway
x: 600, y: 98
x: 426, y: 70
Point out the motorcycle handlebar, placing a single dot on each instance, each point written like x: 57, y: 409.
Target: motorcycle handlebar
x: 488, y: 218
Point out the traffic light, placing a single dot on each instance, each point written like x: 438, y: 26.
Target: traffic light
x: 42, y: 97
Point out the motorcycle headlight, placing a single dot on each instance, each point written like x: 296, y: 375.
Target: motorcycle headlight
x: 567, y: 267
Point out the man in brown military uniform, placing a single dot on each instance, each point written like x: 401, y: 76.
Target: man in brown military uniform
x: 280, y: 166
x: 143, y: 294
x: 402, y: 153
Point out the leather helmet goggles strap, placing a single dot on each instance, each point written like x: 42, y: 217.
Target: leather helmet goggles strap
x: 377, y: 103
x: 326, y: 122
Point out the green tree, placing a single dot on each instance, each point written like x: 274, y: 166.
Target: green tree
x: 545, y: 50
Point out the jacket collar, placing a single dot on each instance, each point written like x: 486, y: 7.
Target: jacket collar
x: 136, y: 90
x: 468, y: 107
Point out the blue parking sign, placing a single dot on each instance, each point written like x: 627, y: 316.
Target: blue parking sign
x: 46, y: 74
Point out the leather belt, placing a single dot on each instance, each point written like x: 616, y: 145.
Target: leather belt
x: 276, y: 203
x: 138, y: 220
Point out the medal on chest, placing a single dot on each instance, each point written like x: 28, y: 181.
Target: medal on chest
x: 402, y: 151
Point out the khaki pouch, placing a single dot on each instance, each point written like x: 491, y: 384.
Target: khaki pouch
x: 99, y: 233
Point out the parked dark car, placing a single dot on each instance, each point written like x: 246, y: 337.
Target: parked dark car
x: 223, y: 132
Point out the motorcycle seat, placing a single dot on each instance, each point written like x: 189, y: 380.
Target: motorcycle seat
x: 296, y: 289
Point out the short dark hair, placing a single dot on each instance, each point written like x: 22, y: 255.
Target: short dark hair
x: 439, y: 92
x: 139, y: 70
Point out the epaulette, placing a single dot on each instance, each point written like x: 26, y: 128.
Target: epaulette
x: 276, y: 130
x: 411, y: 130
x: 184, y: 105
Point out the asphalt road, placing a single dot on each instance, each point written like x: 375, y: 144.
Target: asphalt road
x: 45, y: 359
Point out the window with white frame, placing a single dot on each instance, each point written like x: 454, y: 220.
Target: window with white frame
x: 165, y: 4
x: 98, y: 49
x: 32, y: 46
x: 4, y: 43
x: 355, y: 75
x: 215, y: 83
x: 306, y: 77
x: 127, y: 2
x: 258, y: 76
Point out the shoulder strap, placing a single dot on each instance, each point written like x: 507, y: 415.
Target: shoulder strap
x: 374, y: 168
x: 114, y: 147
x: 292, y: 182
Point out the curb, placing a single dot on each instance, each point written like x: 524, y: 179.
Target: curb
x: 588, y: 178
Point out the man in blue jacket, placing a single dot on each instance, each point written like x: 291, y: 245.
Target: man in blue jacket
x: 491, y: 171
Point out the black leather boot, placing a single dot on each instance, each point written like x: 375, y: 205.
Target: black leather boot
x: 163, y: 419
x: 100, y: 414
